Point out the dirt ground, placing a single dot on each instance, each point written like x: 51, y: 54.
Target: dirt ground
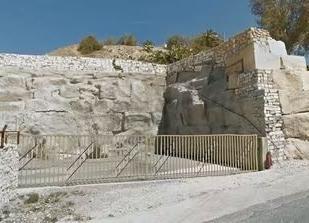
x: 184, y: 200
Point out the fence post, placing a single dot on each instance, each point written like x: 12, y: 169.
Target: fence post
x: 262, y: 150
x: 2, y: 136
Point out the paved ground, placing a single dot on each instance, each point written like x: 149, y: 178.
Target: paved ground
x: 294, y: 208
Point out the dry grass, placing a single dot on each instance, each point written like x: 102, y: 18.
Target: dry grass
x: 108, y: 51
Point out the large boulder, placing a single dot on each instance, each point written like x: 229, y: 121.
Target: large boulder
x: 296, y: 125
x: 297, y: 149
x: 137, y: 120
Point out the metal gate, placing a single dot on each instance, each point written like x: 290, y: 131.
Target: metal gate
x: 64, y: 160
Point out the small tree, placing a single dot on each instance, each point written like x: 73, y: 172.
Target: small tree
x: 127, y: 40
x: 286, y: 20
x: 89, y: 45
x: 177, y: 41
x: 206, y: 40
x: 148, y: 43
x: 180, y: 47
x: 148, y: 46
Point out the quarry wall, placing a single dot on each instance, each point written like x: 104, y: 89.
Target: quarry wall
x: 70, y: 95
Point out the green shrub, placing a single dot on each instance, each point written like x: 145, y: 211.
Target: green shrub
x: 89, y: 45
x: 148, y: 46
x: 177, y: 41
x: 32, y: 198
x: 205, y: 41
x: 127, y: 40
x: 168, y: 56
x: 148, y: 43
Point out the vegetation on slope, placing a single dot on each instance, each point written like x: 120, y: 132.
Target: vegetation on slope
x: 179, y: 47
x: 127, y: 47
x: 89, y: 45
x: 286, y: 20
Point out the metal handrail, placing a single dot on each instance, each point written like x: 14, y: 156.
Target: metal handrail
x: 126, y: 155
x: 126, y: 164
x: 162, y: 164
x: 80, y: 156
x: 157, y: 161
x: 79, y: 166
x: 21, y: 168
x: 30, y: 150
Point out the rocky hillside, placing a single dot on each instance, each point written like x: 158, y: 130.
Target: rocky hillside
x: 108, y: 51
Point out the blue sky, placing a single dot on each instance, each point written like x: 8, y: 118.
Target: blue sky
x: 39, y: 26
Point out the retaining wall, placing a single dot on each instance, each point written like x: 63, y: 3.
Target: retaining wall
x: 8, y: 174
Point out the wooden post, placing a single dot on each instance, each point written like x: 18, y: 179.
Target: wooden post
x: 262, y: 151
x: 18, y: 136
x: 2, y: 136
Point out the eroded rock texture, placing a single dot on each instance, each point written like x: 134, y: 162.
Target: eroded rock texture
x: 56, y: 100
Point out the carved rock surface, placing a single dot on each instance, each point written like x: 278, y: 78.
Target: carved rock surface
x: 50, y: 100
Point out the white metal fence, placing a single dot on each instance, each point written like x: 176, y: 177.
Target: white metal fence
x: 62, y: 160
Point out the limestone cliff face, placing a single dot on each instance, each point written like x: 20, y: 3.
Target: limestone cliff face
x: 293, y: 87
x: 54, y: 95
x: 205, y: 105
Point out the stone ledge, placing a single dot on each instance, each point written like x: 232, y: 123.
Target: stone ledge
x: 79, y: 64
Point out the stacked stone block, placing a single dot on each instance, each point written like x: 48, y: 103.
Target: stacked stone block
x: 259, y: 83
x: 79, y: 64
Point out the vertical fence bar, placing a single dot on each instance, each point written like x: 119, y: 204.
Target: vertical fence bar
x: 256, y: 165
x: 174, y: 162
x: 167, y: 150
x: 181, y: 155
x: 216, y: 155
x: 229, y: 153
x: 226, y: 154
x: 246, y: 145
x: 245, y: 152
x: 199, y: 154
x: 233, y: 151
x: 204, y: 154
x: 177, y: 154
x: 213, y: 157
x: 189, y: 156
x: 249, y: 149
x: 222, y: 152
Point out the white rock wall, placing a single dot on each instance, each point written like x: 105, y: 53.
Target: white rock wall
x: 70, y: 95
x: 8, y: 174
